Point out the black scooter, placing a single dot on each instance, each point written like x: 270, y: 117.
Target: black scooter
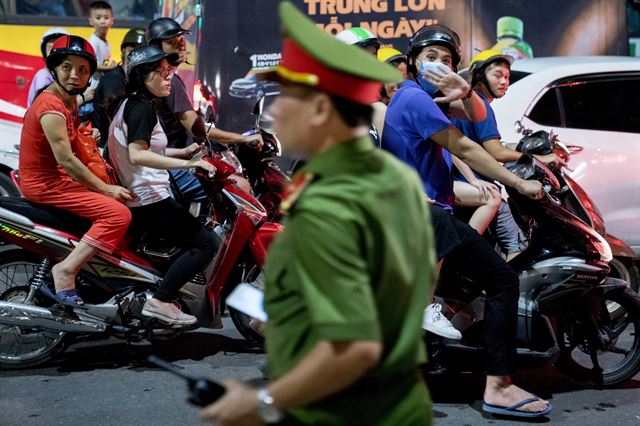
x: 570, y: 312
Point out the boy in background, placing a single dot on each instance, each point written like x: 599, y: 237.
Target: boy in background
x: 101, y: 19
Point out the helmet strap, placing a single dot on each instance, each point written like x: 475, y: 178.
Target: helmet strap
x: 486, y: 84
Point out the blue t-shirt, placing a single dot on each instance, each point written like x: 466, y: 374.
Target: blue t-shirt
x: 479, y: 132
x: 412, y: 118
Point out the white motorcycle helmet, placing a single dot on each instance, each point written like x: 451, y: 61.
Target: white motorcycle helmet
x: 359, y: 37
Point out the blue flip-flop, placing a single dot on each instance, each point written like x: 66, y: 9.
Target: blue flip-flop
x: 513, y: 410
x: 69, y: 297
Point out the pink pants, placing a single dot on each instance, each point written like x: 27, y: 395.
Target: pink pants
x: 110, y: 218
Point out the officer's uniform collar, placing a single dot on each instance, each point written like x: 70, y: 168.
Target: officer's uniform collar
x: 338, y: 156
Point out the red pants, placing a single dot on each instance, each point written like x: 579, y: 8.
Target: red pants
x: 110, y: 218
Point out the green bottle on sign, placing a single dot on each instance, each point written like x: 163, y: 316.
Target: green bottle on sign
x: 509, y: 31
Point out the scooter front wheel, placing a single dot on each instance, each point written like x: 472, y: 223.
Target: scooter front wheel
x: 602, y: 349
x: 250, y: 328
x: 22, y: 347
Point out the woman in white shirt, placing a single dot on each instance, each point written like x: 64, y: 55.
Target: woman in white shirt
x: 137, y: 149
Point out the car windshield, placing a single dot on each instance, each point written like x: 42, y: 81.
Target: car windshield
x: 517, y: 76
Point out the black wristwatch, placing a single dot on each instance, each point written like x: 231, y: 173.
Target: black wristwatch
x: 267, y: 409
x: 469, y: 94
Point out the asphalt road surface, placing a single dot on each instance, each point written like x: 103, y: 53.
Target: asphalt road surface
x: 110, y: 383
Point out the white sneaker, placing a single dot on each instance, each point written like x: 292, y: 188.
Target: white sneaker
x: 167, y: 312
x: 436, y: 323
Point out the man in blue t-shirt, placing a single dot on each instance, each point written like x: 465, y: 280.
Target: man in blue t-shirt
x: 418, y: 132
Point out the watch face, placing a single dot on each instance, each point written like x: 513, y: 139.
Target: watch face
x: 268, y: 411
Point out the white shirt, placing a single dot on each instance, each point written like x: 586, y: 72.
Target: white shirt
x: 103, y: 51
x: 150, y: 185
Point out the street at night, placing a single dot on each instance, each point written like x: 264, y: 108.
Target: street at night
x: 110, y: 383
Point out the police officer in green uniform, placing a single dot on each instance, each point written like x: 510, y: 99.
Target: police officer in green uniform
x: 347, y: 279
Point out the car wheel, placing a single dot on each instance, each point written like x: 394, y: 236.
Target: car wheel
x: 7, y: 187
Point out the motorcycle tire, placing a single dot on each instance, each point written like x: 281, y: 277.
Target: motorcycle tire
x: 16, y: 270
x: 589, y: 362
x: 7, y: 187
x: 623, y: 268
x: 249, y: 327
x: 245, y: 325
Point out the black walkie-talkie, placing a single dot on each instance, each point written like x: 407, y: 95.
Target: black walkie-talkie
x: 202, y: 391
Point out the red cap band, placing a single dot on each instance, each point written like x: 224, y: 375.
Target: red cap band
x: 296, y: 60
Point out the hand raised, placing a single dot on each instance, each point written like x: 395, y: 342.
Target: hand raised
x: 449, y: 83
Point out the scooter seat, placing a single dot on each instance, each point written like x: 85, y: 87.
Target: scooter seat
x: 52, y: 217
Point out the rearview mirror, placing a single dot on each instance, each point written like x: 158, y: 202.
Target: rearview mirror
x: 518, y: 126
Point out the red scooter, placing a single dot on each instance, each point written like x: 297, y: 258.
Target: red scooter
x: 34, y: 326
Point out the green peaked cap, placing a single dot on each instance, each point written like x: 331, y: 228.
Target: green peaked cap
x: 331, y: 52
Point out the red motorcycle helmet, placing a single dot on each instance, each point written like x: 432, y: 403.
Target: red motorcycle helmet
x: 71, y: 45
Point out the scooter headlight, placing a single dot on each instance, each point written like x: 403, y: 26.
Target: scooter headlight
x: 603, y: 247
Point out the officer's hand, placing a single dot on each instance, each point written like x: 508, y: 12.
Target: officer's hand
x: 118, y: 193
x: 238, y: 406
x: 449, y: 83
x: 530, y: 188
x: 111, y: 65
x: 254, y: 141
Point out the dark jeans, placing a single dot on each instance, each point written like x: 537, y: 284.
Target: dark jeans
x: 167, y: 219
x: 466, y: 252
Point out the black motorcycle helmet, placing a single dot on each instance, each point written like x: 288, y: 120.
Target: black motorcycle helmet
x: 134, y: 37
x: 164, y: 29
x: 71, y: 45
x: 433, y: 35
x: 141, y: 61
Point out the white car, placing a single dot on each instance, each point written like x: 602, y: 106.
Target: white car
x: 593, y: 104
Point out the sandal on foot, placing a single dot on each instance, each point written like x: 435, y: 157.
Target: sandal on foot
x: 69, y: 297
x: 513, y: 410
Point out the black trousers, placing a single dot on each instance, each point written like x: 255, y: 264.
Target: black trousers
x: 172, y: 222
x: 466, y: 252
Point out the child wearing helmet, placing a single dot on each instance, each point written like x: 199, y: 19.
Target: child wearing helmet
x: 51, y: 174
x: 137, y: 149
x: 43, y: 77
